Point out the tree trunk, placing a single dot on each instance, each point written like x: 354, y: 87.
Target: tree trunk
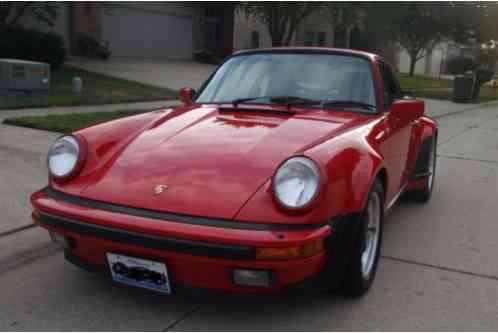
x: 413, y: 61
x: 348, y: 36
x: 19, y: 14
x: 288, y: 38
x: 332, y: 35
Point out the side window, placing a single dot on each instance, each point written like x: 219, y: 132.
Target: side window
x: 392, y: 89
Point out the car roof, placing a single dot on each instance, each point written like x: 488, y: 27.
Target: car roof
x: 370, y: 56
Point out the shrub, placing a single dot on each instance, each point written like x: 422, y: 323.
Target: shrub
x: 90, y: 47
x: 29, y: 44
x: 460, y: 65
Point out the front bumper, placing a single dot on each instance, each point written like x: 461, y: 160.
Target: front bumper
x: 196, y: 255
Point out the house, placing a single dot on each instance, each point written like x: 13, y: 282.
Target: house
x: 154, y: 30
x: 175, y: 30
x: 435, y: 61
x: 315, y: 30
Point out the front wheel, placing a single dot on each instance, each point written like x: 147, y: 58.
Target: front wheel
x: 366, y: 251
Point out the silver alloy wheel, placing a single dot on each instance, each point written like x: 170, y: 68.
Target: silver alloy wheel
x: 373, y: 216
x: 432, y: 166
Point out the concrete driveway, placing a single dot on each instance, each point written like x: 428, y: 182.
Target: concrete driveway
x: 438, y: 269
x: 172, y: 74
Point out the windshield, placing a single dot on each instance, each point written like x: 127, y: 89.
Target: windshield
x: 313, y: 76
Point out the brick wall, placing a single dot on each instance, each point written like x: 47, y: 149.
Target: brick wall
x: 86, y: 16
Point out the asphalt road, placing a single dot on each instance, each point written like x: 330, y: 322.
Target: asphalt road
x: 439, y: 266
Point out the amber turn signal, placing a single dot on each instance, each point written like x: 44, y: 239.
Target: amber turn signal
x: 35, y: 216
x: 293, y: 252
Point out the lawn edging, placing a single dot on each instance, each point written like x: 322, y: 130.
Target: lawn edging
x: 70, y: 122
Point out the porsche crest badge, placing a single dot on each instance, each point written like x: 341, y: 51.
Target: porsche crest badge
x: 159, y: 189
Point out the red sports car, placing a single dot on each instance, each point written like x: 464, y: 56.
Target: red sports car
x: 277, y: 173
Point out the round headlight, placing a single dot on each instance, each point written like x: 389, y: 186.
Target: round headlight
x: 296, y: 182
x: 63, y: 156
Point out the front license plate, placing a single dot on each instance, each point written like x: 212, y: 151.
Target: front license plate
x: 138, y: 272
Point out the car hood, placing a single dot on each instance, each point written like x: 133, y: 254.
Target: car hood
x: 207, y: 161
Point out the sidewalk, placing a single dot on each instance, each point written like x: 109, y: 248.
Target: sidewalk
x: 171, y: 74
x: 434, y: 108
x: 82, y: 109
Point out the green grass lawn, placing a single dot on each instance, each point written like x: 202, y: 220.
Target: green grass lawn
x: 430, y: 87
x: 97, y: 89
x: 420, y: 82
x: 68, y: 123
x: 423, y: 86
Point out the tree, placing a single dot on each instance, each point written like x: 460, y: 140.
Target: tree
x: 12, y: 12
x: 419, y: 26
x: 280, y: 18
x: 346, y: 14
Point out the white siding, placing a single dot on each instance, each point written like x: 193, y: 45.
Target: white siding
x: 429, y: 65
x: 404, y: 63
x: 243, y: 28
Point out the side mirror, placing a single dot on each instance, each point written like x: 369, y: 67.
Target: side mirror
x: 187, y: 96
x: 407, y: 109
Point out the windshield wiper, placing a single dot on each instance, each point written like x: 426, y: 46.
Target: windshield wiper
x: 328, y: 103
x: 274, y: 99
x: 237, y: 101
x: 289, y: 100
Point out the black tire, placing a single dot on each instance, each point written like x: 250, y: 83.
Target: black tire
x: 355, y: 283
x: 425, y: 194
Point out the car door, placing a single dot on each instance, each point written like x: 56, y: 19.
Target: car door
x: 399, y: 133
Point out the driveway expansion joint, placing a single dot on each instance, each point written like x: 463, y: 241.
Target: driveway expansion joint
x: 24, y: 258
x: 466, y: 159
x: 182, y: 318
x: 472, y: 108
x: 441, y: 268
x: 16, y: 230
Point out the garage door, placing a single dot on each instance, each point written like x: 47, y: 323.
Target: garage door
x: 144, y: 34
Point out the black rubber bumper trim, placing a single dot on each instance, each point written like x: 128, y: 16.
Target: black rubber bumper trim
x: 339, y: 245
x: 174, y: 217
x: 199, y: 248
x: 83, y: 264
x: 421, y: 165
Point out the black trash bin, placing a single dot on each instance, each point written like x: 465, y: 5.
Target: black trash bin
x: 463, y: 88
x: 482, y: 75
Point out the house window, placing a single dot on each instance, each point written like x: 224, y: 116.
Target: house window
x: 309, y: 38
x: 255, y: 39
x: 321, y: 38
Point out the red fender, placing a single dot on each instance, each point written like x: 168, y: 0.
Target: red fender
x: 348, y: 174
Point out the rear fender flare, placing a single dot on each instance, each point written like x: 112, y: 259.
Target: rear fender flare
x: 423, y: 137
